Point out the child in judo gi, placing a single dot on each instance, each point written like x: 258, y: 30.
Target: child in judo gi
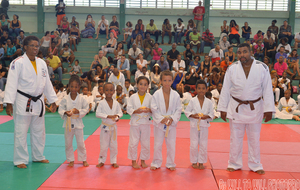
x: 200, y: 111
x: 138, y: 107
x: 109, y: 110
x: 72, y: 108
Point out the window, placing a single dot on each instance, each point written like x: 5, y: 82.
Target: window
x: 264, y: 5
x: 192, y: 4
x: 148, y: 3
x: 164, y: 4
x: 16, y: 2
x: 133, y: 3
x: 30, y: 2
x: 248, y: 4
x: 217, y: 4
x: 179, y: 4
x: 81, y: 3
x: 112, y: 3
x: 280, y: 5
x: 233, y: 4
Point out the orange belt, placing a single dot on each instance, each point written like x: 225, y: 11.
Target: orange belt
x: 246, y: 103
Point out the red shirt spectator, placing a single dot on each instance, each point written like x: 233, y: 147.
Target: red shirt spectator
x: 280, y: 66
x: 199, y: 10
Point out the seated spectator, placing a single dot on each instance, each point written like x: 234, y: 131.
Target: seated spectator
x: 189, y: 29
x: 268, y: 62
x: 53, y: 49
x: 152, y: 30
x: 10, y: 52
x: 195, y: 39
x: 148, y: 45
x: 64, y: 37
x: 2, y: 52
x: 286, y: 32
x: 216, y: 54
x: 178, y: 79
x: 128, y: 87
x: 139, y: 42
x: 127, y: 31
x: 206, y: 64
x: 76, y: 68
x: 102, y: 27
x: 89, y: 29
x: 4, y: 23
x: 163, y: 64
x: 178, y: 63
x: 258, y: 36
x: 224, y: 44
x: 64, y: 25
x: 179, y: 31
x: 287, y: 108
x: 100, y: 74
x: 195, y: 64
x: 156, y: 53
x: 166, y: 29
x: 124, y: 66
x: 60, y: 11
x: 172, y: 55
x: 246, y: 31
x: 143, y: 73
x: 110, y: 45
x: 225, y: 64
x: 270, y: 49
x: 155, y: 77
x: 67, y: 55
x: 140, y: 63
x: 287, y: 47
x: 118, y: 52
x: 55, y: 63
x: 216, y: 92
x: 3, y: 76
x: 207, y: 40
x: 74, y: 22
x: 281, y: 53
x: 293, y: 62
x: 268, y: 36
x: 284, y: 83
x: 234, y: 32
x: 45, y: 44
x: 15, y: 26
x: 134, y: 34
x: 133, y: 54
x: 114, y: 26
x: 230, y: 54
x: 141, y: 25
x: 281, y: 66
x: 94, y: 63
x: 57, y: 40
x: 215, y: 78
x: 224, y: 28
x: 103, y: 61
x: 259, y: 50
x: 117, y: 78
x: 274, y: 29
x: 5, y: 37
x: 188, y: 55
x: 276, y: 90
x: 74, y: 36
x: 191, y: 78
x: 20, y: 38
x: 297, y: 40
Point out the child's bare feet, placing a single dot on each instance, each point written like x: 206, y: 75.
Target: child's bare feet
x: 144, y: 165
x: 172, y: 168
x: 135, y: 165
x: 100, y: 165
x: 1, y: 108
x: 85, y: 164
x: 296, y: 118
x: 153, y: 168
x: 71, y: 164
x: 115, y: 165
x: 201, y: 167
x: 42, y: 161
x: 195, y: 166
x: 230, y: 169
x: 260, y: 172
x: 22, y: 166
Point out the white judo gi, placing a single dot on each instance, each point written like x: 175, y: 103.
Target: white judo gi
x: 158, y: 109
x: 185, y: 100
x: 22, y: 77
x: 121, y: 81
x: 258, y: 84
x: 139, y: 127
x: 76, y: 125
x: 126, y: 91
x: 199, y: 136
x: 1, y: 96
x: 108, y: 134
x: 90, y: 100
x: 98, y: 99
x: 283, y: 105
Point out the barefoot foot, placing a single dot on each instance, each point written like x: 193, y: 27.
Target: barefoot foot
x: 85, y: 164
x: 195, y: 166
x: 260, y: 172
x: 230, y: 169
x: 115, y: 165
x: 42, y: 161
x: 153, y: 168
x: 22, y: 166
x: 135, y: 165
x: 172, y: 168
x: 201, y: 167
x: 143, y: 163
x: 100, y: 165
x: 71, y: 164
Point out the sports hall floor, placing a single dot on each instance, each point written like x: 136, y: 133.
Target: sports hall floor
x: 280, y: 153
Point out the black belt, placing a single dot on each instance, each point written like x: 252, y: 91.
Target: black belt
x: 33, y: 99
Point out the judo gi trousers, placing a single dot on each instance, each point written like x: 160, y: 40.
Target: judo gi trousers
x: 159, y: 136
x: 37, y: 138
x: 81, y: 150
x: 198, y: 138
x: 138, y: 134
x: 237, y: 131
x: 107, y: 141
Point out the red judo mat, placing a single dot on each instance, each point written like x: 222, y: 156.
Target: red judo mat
x: 5, y: 118
x: 279, y: 155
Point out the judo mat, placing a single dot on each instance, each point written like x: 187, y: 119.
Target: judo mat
x: 280, y: 142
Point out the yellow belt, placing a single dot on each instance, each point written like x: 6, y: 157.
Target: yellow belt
x: 68, y: 122
x: 198, y: 122
x: 114, y: 129
x: 168, y: 126
x: 141, y: 117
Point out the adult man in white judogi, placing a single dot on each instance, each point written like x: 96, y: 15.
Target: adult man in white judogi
x: 27, y: 83
x: 246, y: 98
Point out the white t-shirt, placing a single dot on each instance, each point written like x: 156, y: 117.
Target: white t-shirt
x: 214, y: 54
x: 179, y: 28
x: 272, y: 36
x: 177, y: 65
x: 102, y: 26
x: 286, y: 47
x: 297, y: 36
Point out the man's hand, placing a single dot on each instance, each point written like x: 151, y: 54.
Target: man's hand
x: 53, y: 107
x: 267, y: 116
x: 9, y: 110
x: 224, y: 115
